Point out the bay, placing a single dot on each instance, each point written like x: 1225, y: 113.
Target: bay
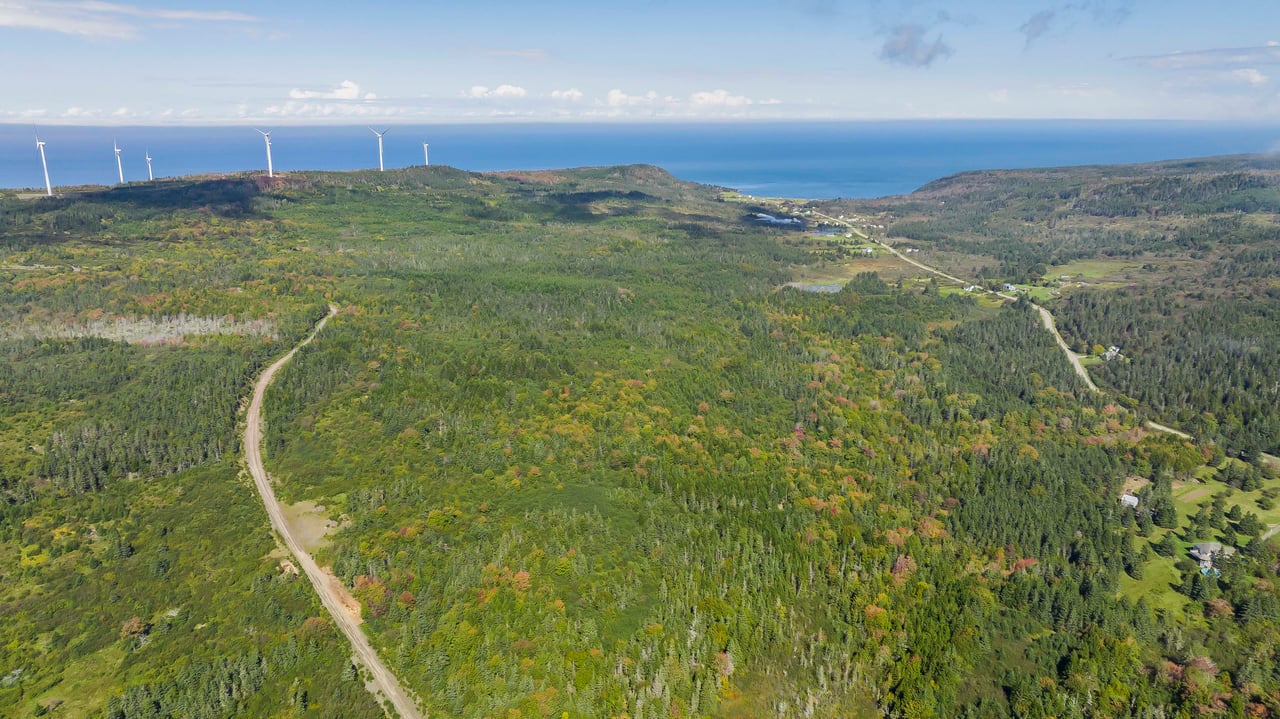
x: 782, y: 159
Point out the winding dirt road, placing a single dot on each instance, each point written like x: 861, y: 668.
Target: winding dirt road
x: 386, y: 684
x: 1066, y: 350
x: 1044, y: 314
x: 1050, y: 325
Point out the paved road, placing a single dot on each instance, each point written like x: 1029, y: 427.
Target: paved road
x: 897, y: 254
x: 384, y: 681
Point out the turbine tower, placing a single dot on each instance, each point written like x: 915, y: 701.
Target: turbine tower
x: 48, y: 189
x: 426, y: 159
x: 119, y: 167
x: 266, y: 136
x: 150, y: 175
x: 379, y: 134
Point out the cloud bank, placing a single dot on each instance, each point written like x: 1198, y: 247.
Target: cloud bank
x: 483, y: 92
x: 346, y: 90
x: 93, y: 18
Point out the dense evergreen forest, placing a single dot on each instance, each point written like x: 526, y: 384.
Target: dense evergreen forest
x: 585, y: 454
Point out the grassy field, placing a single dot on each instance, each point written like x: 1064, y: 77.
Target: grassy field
x: 1160, y: 578
x: 1041, y: 294
x: 1188, y: 498
x: 1094, y: 269
x: 885, y: 264
x: 1158, y: 586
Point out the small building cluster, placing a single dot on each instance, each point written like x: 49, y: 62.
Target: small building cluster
x: 1208, y: 552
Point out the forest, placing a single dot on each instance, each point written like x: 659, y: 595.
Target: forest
x: 585, y: 453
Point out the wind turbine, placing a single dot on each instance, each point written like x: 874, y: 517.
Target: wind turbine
x: 119, y: 167
x: 379, y: 134
x: 426, y: 159
x: 267, y: 137
x: 150, y: 175
x: 48, y: 189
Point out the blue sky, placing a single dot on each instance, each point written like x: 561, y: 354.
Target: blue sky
x: 297, y: 62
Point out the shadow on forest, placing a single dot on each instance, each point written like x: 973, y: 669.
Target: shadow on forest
x: 43, y: 221
x: 227, y: 197
x: 598, y: 205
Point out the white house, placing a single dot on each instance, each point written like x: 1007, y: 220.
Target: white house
x: 1129, y: 500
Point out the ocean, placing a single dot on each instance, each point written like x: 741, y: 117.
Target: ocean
x: 782, y: 159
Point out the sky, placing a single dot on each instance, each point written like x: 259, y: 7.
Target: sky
x: 91, y: 62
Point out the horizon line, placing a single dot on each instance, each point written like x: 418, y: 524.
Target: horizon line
x: 251, y: 123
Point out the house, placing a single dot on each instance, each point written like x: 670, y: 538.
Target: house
x: 1129, y: 500
x: 1112, y: 352
x: 1009, y: 287
x: 868, y: 251
x: 971, y: 288
x: 1207, y: 552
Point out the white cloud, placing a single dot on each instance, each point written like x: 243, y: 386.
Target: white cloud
x: 618, y: 98
x: 483, y: 92
x: 92, y: 18
x: 80, y: 113
x: 1249, y: 75
x: 329, y: 109
x: 718, y: 98
x: 346, y: 90
x: 1082, y: 89
x: 573, y: 94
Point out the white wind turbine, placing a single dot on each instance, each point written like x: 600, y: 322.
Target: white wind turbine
x: 48, y: 189
x: 119, y: 167
x: 379, y: 134
x: 426, y: 159
x: 150, y: 175
x: 267, y: 137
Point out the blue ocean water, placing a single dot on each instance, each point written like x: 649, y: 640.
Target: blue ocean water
x: 792, y: 159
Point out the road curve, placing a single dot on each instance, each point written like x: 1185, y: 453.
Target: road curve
x: 1062, y: 344
x: 385, y: 682
x: 1168, y: 430
x: 1053, y: 329
x: 1044, y: 314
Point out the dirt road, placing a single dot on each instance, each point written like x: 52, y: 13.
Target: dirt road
x: 1062, y: 344
x: 330, y: 595
x: 1168, y: 430
x: 1044, y: 314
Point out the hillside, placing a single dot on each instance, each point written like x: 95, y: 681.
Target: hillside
x: 1175, y: 263
x: 577, y: 448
